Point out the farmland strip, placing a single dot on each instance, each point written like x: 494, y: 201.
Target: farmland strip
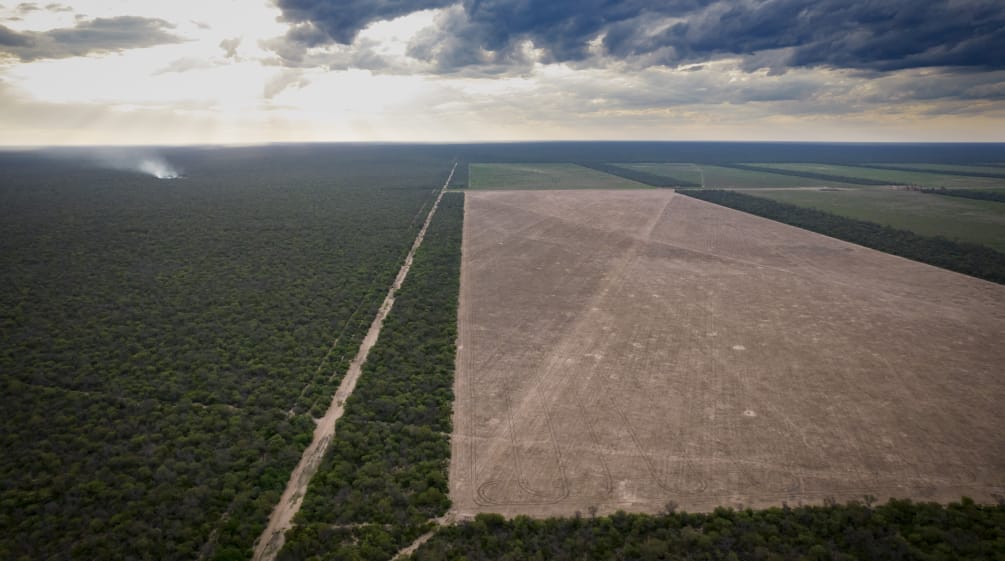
x: 638, y: 175
x: 932, y: 171
x: 975, y: 194
x: 806, y: 174
x: 970, y: 259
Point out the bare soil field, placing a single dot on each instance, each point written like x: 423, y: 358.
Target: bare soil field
x: 623, y: 349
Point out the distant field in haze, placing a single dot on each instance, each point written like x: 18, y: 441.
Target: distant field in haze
x: 544, y: 176
x: 685, y: 173
x: 950, y: 169
x: 967, y: 220
x: 718, y: 177
x: 894, y: 177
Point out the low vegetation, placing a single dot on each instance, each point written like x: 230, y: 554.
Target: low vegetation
x: 976, y: 194
x: 642, y: 176
x: 544, y: 176
x: 965, y: 171
x: 899, y: 529
x: 808, y: 174
x: 956, y: 218
x: 385, y: 475
x: 970, y: 259
x: 868, y: 174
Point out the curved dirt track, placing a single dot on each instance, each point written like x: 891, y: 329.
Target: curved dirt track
x: 623, y: 349
x: 281, y: 520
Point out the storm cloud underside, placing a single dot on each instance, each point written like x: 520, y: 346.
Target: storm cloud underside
x: 779, y: 34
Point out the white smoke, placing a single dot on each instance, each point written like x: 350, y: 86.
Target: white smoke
x: 158, y: 167
x: 138, y: 160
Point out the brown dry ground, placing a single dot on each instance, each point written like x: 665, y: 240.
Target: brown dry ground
x: 621, y: 349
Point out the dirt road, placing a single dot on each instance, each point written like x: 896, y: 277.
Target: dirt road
x: 281, y: 520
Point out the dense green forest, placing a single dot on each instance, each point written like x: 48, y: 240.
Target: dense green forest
x: 639, y: 175
x: 900, y: 529
x: 967, y: 258
x: 163, y: 343
x: 976, y: 194
x: 385, y: 475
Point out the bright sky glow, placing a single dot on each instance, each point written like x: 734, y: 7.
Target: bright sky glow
x: 228, y: 72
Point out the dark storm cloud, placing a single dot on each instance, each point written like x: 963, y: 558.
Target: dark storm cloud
x: 12, y: 39
x: 882, y: 36
x: 341, y: 20
x: 89, y: 36
x: 862, y: 35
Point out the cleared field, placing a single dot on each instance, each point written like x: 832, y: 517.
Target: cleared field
x: 544, y: 176
x: 968, y: 220
x: 625, y: 349
x: 895, y: 177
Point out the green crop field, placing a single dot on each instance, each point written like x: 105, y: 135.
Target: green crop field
x: 894, y: 177
x: 950, y: 169
x: 718, y: 177
x: 689, y: 173
x: 544, y: 176
x: 931, y: 215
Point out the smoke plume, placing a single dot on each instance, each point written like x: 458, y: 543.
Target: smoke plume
x: 138, y: 160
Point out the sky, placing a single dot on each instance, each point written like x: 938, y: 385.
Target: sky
x: 124, y: 72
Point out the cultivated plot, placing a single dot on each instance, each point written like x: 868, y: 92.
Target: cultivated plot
x: 718, y: 177
x: 894, y: 177
x: 625, y: 349
x: 967, y: 220
x: 544, y: 176
x: 989, y: 170
x: 682, y: 173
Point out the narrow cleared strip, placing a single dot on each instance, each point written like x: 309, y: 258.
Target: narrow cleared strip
x: 281, y: 520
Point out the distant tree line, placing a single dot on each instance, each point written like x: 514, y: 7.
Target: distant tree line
x: 967, y: 258
x: 808, y: 174
x: 976, y: 194
x: 900, y: 529
x: 639, y: 175
x: 385, y: 475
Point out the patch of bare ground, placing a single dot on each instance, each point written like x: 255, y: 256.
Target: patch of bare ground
x: 622, y: 349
